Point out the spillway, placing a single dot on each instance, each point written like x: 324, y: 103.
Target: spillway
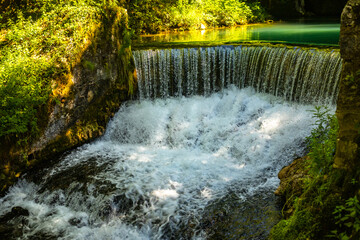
x: 210, y: 124
x: 305, y: 76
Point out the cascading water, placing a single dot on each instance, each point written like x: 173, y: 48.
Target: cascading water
x: 305, y: 76
x: 164, y: 164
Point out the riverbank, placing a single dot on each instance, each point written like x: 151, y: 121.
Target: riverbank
x: 65, y: 69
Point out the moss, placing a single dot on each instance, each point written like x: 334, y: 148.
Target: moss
x: 88, y: 65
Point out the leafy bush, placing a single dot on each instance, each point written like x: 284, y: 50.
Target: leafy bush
x: 152, y: 16
x: 39, y: 46
x: 149, y: 16
x: 185, y: 16
x: 322, y: 141
x: 226, y: 12
x: 258, y: 11
x: 348, y: 218
x: 312, y: 216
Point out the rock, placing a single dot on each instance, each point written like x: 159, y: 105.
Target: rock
x: 15, y: 212
x: 11, y: 224
x: 291, y: 181
x: 291, y: 177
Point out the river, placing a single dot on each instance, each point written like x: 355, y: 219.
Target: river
x: 195, y: 156
x: 302, y: 31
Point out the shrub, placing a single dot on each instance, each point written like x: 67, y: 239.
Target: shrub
x: 40, y: 45
x: 151, y: 16
x: 322, y: 141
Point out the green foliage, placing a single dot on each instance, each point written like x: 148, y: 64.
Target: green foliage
x: 151, y: 16
x: 322, y: 141
x: 185, y: 16
x: 297, y: 227
x: 258, y: 11
x: 22, y: 91
x: 226, y: 12
x: 42, y: 41
x: 88, y: 65
x: 312, y: 216
x: 348, y: 219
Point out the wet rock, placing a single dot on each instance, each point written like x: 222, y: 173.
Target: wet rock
x: 11, y: 224
x: 291, y: 177
x: 77, y: 222
x: 291, y: 181
x: 79, y: 177
x: 15, y: 212
x: 234, y: 218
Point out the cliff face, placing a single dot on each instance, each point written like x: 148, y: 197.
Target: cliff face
x: 101, y: 79
x: 348, y: 104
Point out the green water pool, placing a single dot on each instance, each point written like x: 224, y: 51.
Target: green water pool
x: 292, y: 32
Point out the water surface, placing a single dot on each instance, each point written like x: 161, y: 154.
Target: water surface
x: 294, y: 32
x: 167, y: 169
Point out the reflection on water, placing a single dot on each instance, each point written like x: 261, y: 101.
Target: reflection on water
x: 290, y: 32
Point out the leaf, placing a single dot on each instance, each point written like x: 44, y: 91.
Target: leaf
x: 349, y: 224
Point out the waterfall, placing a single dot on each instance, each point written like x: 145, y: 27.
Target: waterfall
x: 304, y: 76
x: 183, y: 167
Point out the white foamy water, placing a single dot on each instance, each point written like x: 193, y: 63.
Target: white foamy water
x: 160, y: 163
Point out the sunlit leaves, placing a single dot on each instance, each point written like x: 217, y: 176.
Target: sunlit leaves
x: 36, y: 49
x: 155, y: 15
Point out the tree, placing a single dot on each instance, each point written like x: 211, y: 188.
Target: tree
x: 348, y: 105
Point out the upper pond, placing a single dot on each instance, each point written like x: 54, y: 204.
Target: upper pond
x: 309, y: 32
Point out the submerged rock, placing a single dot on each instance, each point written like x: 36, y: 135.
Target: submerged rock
x: 234, y: 218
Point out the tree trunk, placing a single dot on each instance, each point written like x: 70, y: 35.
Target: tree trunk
x: 348, y: 104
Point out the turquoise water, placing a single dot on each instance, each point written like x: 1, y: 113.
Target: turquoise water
x: 296, y: 32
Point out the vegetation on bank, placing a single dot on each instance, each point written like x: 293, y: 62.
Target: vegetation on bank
x: 328, y: 207
x: 41, y: 41
x: 151, y: 16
